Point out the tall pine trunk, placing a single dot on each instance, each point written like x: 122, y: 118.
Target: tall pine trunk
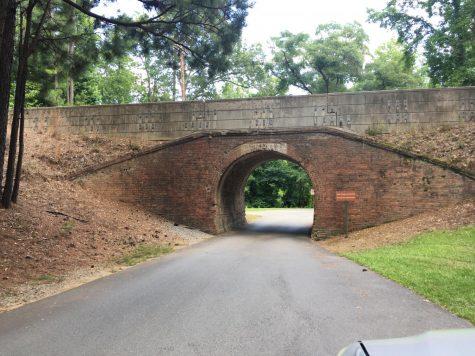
x: 21, y: 150
x: 7, y: 44
x: 27, y: 46
x: 22, y: 72
x: 70, y: 80
x: 183, y: 75
x: 70, y: 91
x: 3, y: 17
x: 174, y: 84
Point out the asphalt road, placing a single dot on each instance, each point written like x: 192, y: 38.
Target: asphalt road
x: 244, y: 294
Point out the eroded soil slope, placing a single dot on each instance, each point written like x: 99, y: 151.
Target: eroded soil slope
x: 452, y: 145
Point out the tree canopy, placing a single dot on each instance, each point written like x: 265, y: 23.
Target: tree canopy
x: 389, y: 69
x: 444, y: 30
x: 327, y: 62
x: 278, y: 184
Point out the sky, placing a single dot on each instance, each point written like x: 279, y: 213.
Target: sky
x: 270, y: 17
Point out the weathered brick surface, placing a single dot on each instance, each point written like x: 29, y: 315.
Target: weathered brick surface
x: 199, y: 181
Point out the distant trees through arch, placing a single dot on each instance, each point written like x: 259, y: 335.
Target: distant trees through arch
x: 278, y: 184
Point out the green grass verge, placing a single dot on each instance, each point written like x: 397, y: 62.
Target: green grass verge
x: 439, y: 265
x: 143, y: 253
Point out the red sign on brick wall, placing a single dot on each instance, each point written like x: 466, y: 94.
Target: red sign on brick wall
x: 345, y: 195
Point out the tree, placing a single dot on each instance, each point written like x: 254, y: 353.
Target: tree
x: 31, y: 23
x: 389, y: 70
x: 117, y: 82
x: 7, y: 38
x: 69, y: 47
x: 206, y: 29
x: 248, y: 75
x: 159, y: 81
x: 445, y: 30
x: 326, y: 63
x: 87, y: 87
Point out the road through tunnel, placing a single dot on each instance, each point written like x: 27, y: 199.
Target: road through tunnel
x: 234, y: 196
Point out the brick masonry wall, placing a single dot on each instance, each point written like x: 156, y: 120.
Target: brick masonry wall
x: 198, y: 181
x: 384, y: 110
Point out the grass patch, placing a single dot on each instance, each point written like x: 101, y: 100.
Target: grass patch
x: 438, y: 265
x: 67, y: 227
x: 143, y: 253
x: 374, y: 131
x: 48, y: 278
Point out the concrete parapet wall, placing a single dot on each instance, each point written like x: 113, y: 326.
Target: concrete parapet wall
x: 383, y: 110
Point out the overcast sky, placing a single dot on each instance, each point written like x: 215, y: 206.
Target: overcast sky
x: 270, y: 17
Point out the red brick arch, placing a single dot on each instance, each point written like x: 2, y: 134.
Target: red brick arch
x: 198, y: 180
x: 239, y: 164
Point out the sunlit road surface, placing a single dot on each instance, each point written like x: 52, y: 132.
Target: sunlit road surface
x: 294, y: 221
x: 247, y: 293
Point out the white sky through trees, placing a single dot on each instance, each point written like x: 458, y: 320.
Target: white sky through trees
x: 270, y: 17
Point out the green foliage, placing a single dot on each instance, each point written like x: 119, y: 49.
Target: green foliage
x: 67, y: 227
x: 389, y: 69
x: 206, y: 31
x: 32, y: 94
x: 329, y: 61
x: 143, y: 253
x: 374, y: 131
x: 438, y: 265
x: 445, y: 31
x: 278, y: 184
x: 158, y: 83
x: 88, y: 87
x: 67, y: 66
x: 109, y: 64
x: 249, y: 75
x: 70, y: 47
x: 117, y: 82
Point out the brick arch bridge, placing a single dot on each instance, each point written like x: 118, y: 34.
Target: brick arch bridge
x: 199, y: 180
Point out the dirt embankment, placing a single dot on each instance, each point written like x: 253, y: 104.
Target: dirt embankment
x: 449, y: 144
x: 59, y: 233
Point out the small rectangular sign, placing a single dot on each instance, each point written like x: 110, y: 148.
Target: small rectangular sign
x: 345, y: 195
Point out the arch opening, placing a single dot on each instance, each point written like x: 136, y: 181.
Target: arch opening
x: 237, y: 190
